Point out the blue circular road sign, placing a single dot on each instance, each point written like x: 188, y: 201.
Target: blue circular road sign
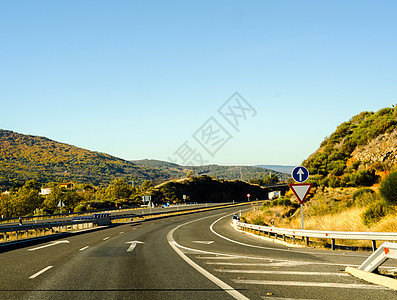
x: 300, y: 174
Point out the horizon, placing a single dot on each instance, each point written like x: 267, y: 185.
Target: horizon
x: 226, y: 83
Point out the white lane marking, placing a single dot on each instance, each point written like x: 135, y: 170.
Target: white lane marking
x: 121, y: 232
x: 106, y: 238
x: 284, y: 272
x: 49, y: 245
x: 282, y: 298
x: 227, y: 288
x: 218, y: 257
x: 82, y: 249
x: 312, y: 284
x: 203, y: 242
x: 232, y: 256
x: 274, y: 249
x: 133, y: 245
x: 270, y: 264
x: 40, y: 272
x: 88, y: 229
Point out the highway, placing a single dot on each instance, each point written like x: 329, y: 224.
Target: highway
x: 194, y: 256
x: 114, y: 213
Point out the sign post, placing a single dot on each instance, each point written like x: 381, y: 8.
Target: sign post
x: 301, y: 190
x: 60, y: 205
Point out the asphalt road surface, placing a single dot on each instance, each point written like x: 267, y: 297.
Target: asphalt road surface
x: 196, y: 256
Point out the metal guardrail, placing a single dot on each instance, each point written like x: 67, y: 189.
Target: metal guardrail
x: 383, y: 253
x: 24, y: 229
x: 332, y: 235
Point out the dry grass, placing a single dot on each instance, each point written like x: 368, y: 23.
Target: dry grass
x: 328, y: 210
x: 347, y: 220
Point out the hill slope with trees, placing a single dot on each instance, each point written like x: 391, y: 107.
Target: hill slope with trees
x: 27, y: 157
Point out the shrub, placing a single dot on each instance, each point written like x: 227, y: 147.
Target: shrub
x: 364, y: 197
x: 362, y: 191
x: 79, y: 208
x: 388, y: 188
x: 374, y: 213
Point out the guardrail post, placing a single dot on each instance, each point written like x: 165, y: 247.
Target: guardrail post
x: 332, y: 244
x: 16, y: 234
x: 284, y: 237
x: 35, y: 232
x: 26, y: 233
x: 373, y: 245
x: 307, y: 240
x: 5, y: 236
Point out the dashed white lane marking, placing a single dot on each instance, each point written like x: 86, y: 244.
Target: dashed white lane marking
x: 121, y: 232
x: 106, y: 238
x: 311, y: 284
x: 284, y: 272
x: 40, y: 272
x: 49, y: 245
x: 82, y: 249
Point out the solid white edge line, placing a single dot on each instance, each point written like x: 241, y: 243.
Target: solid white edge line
x: 274, y: 249
x: 40, y: 272
x: 227, y: 288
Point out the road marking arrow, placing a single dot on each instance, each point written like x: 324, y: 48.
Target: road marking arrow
x: 49, y: 245
x: 133, y: 245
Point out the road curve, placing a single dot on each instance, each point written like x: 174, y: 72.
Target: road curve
x: 179, y: 258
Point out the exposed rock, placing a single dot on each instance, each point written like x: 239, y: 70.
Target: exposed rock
x: 382, y: 149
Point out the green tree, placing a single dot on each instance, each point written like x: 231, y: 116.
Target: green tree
x: 118, y: 189
x: 51, y: 201
x: 147, y: 185
x: 6, y: 208
x: 26, y: 200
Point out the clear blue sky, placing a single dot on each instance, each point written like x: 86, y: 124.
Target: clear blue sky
x: 136, y: 79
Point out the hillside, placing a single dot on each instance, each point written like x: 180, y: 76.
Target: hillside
x: 278, y: 168
x: 221, y: 172
x: 362, y: 146
x: 206, y: 189
x: 25, y: 157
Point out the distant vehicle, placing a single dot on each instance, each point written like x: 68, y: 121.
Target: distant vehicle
x: 236, y: 217
x: 274, y: 195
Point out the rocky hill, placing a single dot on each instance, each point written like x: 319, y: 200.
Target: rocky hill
x: 364, y: 146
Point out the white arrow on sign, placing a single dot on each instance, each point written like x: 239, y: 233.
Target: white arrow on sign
x: 49, y: 245
x: 300, y: 173
x: 133, y: 245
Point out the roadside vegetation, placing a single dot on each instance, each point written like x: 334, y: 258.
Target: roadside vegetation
x: 348, y: 194
x: 26, y: 199
x: 335, y: 209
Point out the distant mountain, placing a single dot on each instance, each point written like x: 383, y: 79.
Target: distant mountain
x: 221, y: 172
x: 278, y: 168
x: 25, y: 157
